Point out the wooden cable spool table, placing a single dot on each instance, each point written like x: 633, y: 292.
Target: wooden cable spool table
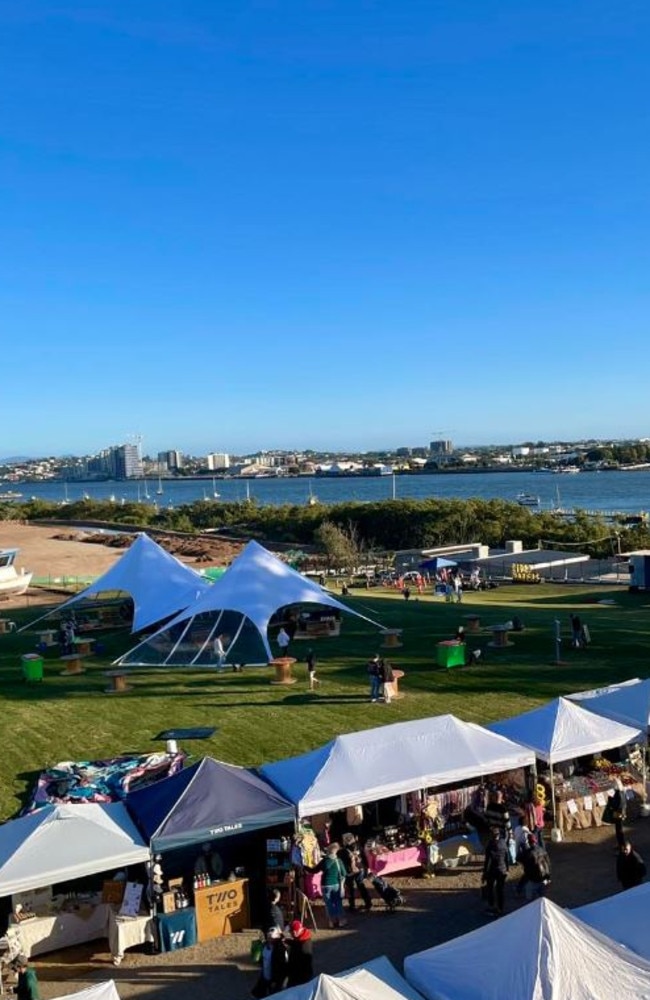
x: 73, y: 665
x: 283, y: 665
x: 499, y: 637
x: 118, y: 684
x: 392, y: 638
x: 473, y: 623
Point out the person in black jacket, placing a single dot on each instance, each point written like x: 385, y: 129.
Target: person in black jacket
x: 630, y: 866
x: 537, y: 868
x: 495, y: 871
x: 274, y: 914
x: 355, y: 871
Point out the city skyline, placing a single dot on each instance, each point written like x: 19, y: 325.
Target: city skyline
x: 324, y: 227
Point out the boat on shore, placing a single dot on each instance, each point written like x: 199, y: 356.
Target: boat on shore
x: 527, y: 499
x: 12, y: 583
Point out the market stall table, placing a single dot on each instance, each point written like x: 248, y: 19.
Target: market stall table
x: 128, y: 932
x: 63, y: 929
x: 283, y: 665
x: 384, y: 862
x: 221, y: 908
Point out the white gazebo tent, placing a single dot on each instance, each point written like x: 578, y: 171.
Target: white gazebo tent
x: 541, y: 952
x: 392, y: 760
x: 159, y: 583
x: 628, y: 703
x: 251, y: 590
x: 102, y: 991
x: 623, y: 917
x: 376, y: 980
x: 63, y: 842
x: 562, y: 730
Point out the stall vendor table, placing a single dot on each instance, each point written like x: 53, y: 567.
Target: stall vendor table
x: 221, y: 908
x: 579, y: 812
x: 450, y: 653
x: 176, y: 930
x: 395, y: 861
x: 39, y: 935
x: 128, y: 932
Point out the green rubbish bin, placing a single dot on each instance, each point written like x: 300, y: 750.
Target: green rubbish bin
x: 450, y: 654
x: 32, y: 665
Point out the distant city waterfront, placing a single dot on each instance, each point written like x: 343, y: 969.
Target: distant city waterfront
x: 620, y: 491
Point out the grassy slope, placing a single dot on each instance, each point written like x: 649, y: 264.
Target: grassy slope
x: 70, y: 718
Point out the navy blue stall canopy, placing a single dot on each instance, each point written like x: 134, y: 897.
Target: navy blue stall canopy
x: 204, y: 802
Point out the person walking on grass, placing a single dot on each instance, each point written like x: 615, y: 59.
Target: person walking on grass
x: 386, y: 679
x: 311, y: 669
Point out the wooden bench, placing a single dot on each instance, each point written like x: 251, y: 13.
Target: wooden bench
x: 73, y: 665
x: 117, y: 678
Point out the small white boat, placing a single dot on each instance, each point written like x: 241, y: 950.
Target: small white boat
x: 12, y: 583
x: 527, y: 499
x: 10, y: 495
x: 160, y: 490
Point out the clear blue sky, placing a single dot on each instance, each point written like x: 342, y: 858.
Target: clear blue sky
x: 348, y: 224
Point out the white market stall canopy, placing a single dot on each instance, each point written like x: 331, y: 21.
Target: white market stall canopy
x: 627, y: 703
x: 159, y: 583
x: 376, y: 980
x: 63, y: 842
x: 103, y: 991
x: 562, y: 730
x: 392, y: 760
x: 623, y: 917
x: 254, y: 587
x: 541, y: 952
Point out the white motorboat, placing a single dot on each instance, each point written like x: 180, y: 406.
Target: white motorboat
x: 10, y: 495
x: 12, y: 583
x: 527, y: 499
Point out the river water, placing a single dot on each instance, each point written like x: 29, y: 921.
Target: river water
x: 606, y: 491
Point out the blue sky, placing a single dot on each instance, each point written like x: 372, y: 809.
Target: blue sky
x: 345, y: 224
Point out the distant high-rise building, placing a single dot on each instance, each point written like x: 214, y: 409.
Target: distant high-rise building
x: 172, y: 459
x: 441, y: 447
x: 129, y: 461
x: 218, y: 460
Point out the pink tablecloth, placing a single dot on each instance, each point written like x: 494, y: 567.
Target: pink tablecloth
x: 313, y: 885
x: 395, y: 861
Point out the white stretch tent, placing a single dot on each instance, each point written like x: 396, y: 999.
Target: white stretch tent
x: 159, y: 583
x: 103, y: 991
x: 562, y: 730
x: 392, y: 760
x: 376, y: 980
x: 63, y: 842
x: 627, y: 703
x: 541, y: 952
x: 255, y: 586
x: 624, y: 917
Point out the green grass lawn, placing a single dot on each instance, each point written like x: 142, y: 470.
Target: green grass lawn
x: 71, y: 718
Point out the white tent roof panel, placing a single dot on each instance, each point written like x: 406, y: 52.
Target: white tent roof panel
x: 391, y: 760
x: 376, y: 980
x: 541, y: 952
x: 255, y: 586
x: 159, y: 583
x: 624, y: 917
x: 63, y: 842
x: 102, y: 991
x: 627, y: 703
x: 562, y: 730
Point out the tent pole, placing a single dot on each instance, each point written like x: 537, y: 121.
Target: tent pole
x: 553, y: 795
x: 237, y: 634
x: 179, y: 641
x: 209, y: 638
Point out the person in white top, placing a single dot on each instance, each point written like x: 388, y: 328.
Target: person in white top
x: 283, y: 641
x: 219, y: 652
